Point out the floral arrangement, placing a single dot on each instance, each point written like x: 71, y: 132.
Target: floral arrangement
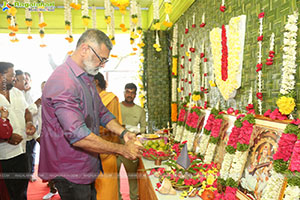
x: 203, y: 21
x: 68, y: 21
x: 204, y: 87
x: 134, y: 21
x: 196, y: 80
x: 281, y: 157
x: 139, y: 26
x: 11, y: 19
x: 227, y: 49
x: 275, y: 114
x: 28, y: 20
x: 121, y: 4
x: 246, y: 127
x: 174, y: 76
x: 207, y: 130
x: 191, y: 126
x: 271, y: 51
x: 213, y: 127
x: 42, y: 26
x: 110, y: 20
x: 85, y: 13
x: 180, y: 124
x: 156, y: 24
x: 168, y: 10
x: 75, y: 5
x: 286, y: 100
x: 259, y: 65
x: 222, y: 7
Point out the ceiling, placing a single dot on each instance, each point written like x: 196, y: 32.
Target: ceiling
x: 100, y: 3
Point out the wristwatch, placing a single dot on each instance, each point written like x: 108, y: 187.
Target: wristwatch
x: 123, y: 133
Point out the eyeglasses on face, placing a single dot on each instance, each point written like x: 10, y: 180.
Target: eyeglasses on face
x: 102, y: 60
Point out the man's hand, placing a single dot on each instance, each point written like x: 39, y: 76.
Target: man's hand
x: 4, y: 112
x: 129, y: 136
x: 30, y: 128
x: 15, y: 139
x: 132, y: 151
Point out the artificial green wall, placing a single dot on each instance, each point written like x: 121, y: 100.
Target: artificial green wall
x: 157, y: 80
x: 276, y: 12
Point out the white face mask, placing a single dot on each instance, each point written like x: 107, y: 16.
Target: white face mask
x: 89, y: 68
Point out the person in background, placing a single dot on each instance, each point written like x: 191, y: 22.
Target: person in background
x: 23, y: 83
x: 5, y: 126
x: 72, y: 112
x: 132, y: 116
x: 13, y: 159
x: 107, y: 182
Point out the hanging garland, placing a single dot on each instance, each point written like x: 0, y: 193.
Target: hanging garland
x: 271, y: 51
x: 28, y: 20
x: 68, y: 21
x: 174, y: 76
x: 156, y: 24
x: 222, y: 7
x: 168, y: 11
x: 42, y: 26
x: 11, y: 19
x: 139, y: 26
x: 203, y: 21
x: 133, y: 22
x: 110, y: 20
x: 196, y: 82
x: 286, y: 101
x: 122, y: 6
x: 85, y: 13
x: 259, y: 65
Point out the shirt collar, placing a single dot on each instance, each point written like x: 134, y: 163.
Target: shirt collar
x: 78, y: 71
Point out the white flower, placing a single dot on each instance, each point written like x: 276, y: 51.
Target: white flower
x: 273, y: 188
x: 209, y: 154
x: 291, y: 193
x: 203, y: 143
x: 226, y: 164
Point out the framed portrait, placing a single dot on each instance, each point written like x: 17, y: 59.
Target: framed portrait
x: 259, y: 164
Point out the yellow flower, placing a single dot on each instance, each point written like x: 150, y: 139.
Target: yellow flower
x: 286, y: 105
x: 196, y: 97
x: 107, y: 19
x: 174, y: 66
x: 167, y: 24
x: 212, y: 83
x: 156, y: 26
x: 156, y: 45
x: 168, y: 8
x: 12, y: 11
x: 67, y: 27
x: 187, y: 54
x: 158, y: 49
x: 28, y: 23
x: 85, y: 21
x: 178, y: 90
x: 113, y: 42
x: 142, y: 44
x: 134, y: 20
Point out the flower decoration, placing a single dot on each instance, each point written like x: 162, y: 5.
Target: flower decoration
x: 286, y: 104
x: 68, y: 21
x: 271, y: 52
x: 42, y: 26
x: 85, y: 13
x: 11, y: 19
x: 75, y: 5
x: 203, y: 21
x: 180, y: 124
x: 194, y: 23
x: 110, y: 20
x: 289, y: 64
x: 121, y: 4
x: 168, y: 10
x: 227, y: 60
x: 222, y: 7
x: 28, y: 20
x: 157, y: 44
x: 259, y: 63
x: 174, y: 76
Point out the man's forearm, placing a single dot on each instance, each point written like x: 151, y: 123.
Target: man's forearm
x: 115, y: 127
x: 94, y: 143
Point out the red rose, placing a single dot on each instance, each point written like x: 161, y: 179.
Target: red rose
x: 202, y: 55
x: 259, y: 95
x: 182, y: 67
x: 186, y: 31
x: 202, y: 25
x: 259, y: 67
x: 182, y: 57
x: 261, y: 15
x: 171, y: 48
x: 205, y: 60
x: 222, y: 8
x: 269, y: 63
x: 260, y: 38
x: 230, y: 110
x: 181, y: 45
x: 194, y: 25
x: 249, y: 107
x: 190, y: 59
x: 192, y: 49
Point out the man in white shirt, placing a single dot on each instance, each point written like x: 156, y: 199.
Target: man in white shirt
x: 13, y: 159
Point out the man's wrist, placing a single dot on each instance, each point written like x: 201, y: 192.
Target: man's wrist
x: 123, y: 133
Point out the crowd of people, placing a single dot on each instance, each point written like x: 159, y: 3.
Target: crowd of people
x: 85, y: 133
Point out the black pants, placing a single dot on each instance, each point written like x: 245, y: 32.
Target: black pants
x: 30, y: 154
x: 15, y: 174
x: 72, y: 191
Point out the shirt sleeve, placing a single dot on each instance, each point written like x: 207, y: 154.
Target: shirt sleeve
x: 68, y: 110
x: 143, y: 121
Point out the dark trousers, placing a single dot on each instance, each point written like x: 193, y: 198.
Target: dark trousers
x: 15, y: 174
x: 72, y: 191
x: 30, y: 154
